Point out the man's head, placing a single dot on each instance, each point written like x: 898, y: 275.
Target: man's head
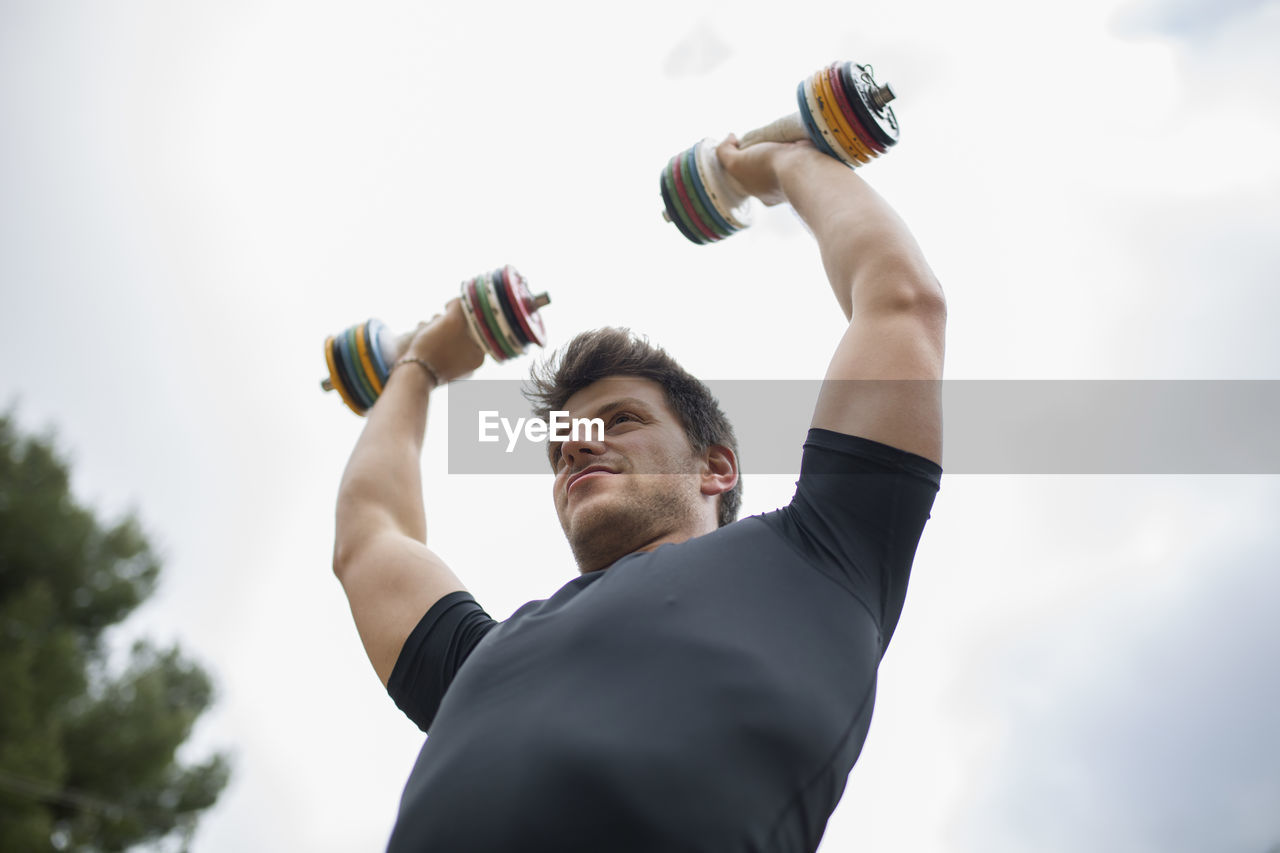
x: 662, y: 424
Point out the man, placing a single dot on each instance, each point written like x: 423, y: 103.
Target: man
x: 701, y: 685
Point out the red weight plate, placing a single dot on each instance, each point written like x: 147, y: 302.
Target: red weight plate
x: 840, y: 83
x: 683, y: 192
x: 846, y: 112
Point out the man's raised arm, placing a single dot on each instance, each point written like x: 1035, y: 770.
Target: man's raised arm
x: 883, y: 382
x: 380, y: 554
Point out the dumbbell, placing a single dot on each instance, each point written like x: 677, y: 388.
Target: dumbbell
x: 502, y: 318
x: 843, y: 111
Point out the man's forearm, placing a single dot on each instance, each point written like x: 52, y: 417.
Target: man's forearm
x: 869, y: 254
x: 381, y: 489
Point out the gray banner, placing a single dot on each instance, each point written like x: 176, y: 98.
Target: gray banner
x: 990, y: 426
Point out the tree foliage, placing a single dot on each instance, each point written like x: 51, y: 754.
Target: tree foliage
x: 88, y: 756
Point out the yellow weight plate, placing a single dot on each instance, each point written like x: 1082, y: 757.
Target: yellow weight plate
x: 819, y: 121
x: 831, y: 114
x: 335, y: 380
x: 366, y: 360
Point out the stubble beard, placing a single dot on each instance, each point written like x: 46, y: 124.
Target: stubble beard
x: 624, y: 523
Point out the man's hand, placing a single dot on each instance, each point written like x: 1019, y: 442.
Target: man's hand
x: 757, y: 167
x: 446, y: 345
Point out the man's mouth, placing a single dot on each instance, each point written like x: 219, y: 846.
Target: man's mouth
x: 590, y: 469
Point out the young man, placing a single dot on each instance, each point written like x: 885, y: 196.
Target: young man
x: 701, y: 685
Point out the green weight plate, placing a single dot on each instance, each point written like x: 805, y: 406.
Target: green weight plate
x: 486, y: 313
x: 698, y: 195
x: 335, y: 377
x: 345, y: 370
x: 351, y: 355
x: 490, y: 343
x: 674, y: 215
x: 682, y: 193
x: 508, y: 335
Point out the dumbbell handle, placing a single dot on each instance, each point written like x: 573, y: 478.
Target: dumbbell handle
x: 786, y: 129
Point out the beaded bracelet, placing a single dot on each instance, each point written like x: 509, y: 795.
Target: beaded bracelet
x: 431, y: 371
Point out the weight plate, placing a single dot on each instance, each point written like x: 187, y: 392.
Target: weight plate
x: 506, y: 334
x: 815, y: 136
x: 335, y: 379
x: 820, y: 122
x: 365, y: 347
x: 682, y: 170
x: 827, y: 113
x: 505, y: 301
x: 357, y: 381
x: 381, y: 349
x: 492, y: 343
x: 343, y: 360
x: 344, y: 372
x: 512, y: 298
x: 684, y: 193
x: 835, y: 111
x: 486, y: 314
x: 882, y: 123
x: 850, y: 93
x: 692, y: 179
x: 473, y: 322
x: 675, y: 185
x: 714, y: 179
x: 528, y: 313
x: 674, y: 214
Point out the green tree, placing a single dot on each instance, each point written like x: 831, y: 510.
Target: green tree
x: 87, y: 755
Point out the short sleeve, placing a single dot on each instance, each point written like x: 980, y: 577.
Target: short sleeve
x: 858, y: 513
x: 434, y: 652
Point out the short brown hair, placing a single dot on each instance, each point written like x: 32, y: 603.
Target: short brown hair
x: 597, y: 354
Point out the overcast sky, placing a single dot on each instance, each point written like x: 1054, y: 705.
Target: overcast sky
x: 193, y: 195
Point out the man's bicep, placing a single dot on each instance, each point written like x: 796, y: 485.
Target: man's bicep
x: 884, y: 381
x: 390, y: 585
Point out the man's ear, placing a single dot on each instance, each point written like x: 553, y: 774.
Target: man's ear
x: 720, y: 471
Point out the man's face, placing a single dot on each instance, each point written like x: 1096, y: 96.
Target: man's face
x: 639, y: 487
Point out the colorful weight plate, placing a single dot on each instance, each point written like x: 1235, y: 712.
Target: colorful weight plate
x: 486, y: 313
x: 473, y: 322
x: 820, y: 122
x: 882, y: 123
x: 701, y: 206
x: 815, y: 136
x: 491, y: 344
x: 834, y: 113
x: 522, y: 300
x: 507, y: 335
x: 674, y: 215
x: 503, y: 294
x: 356, y: 381
x: 689, y: 168
x: 335, y: 377
x: 850, y: 94
x: 380, y: 348
x: 512, y: 299
x: 365, y: 347
x: 826, y: 114
x: 682, y: 191
x: 713, y: 177
x: 682, y: 206
x: 343, y: 360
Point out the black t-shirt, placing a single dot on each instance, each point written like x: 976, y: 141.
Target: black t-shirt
x: 706, y: 696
